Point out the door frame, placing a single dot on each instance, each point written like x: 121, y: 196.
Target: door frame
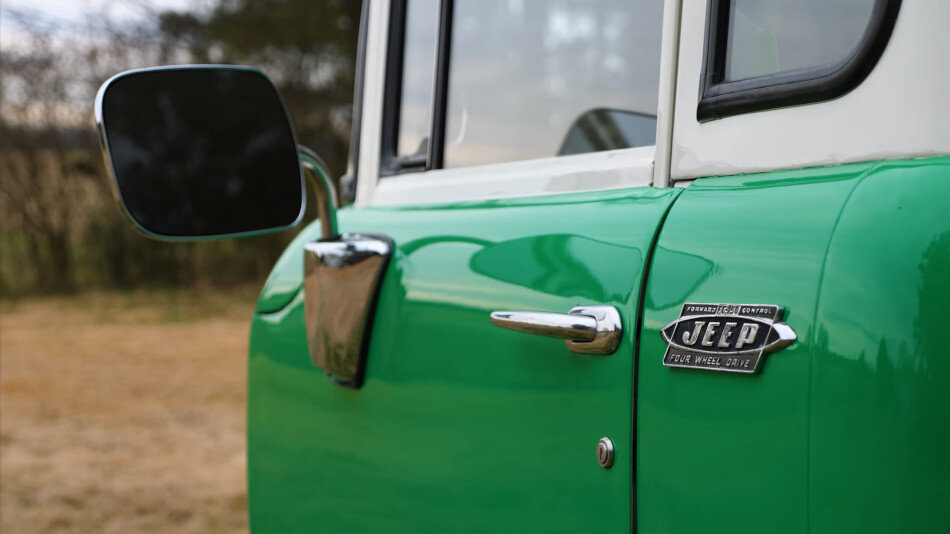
x: 631, y: 167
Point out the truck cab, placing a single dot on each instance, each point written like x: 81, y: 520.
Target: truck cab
x: 660, y: 266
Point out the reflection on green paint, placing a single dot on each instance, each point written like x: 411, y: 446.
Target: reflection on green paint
x: 563, y: 264
x: 683, y: 275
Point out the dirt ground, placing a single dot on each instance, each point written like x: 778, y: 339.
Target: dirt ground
x: 124, y: 413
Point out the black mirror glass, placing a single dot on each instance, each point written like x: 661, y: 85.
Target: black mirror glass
x: 201, y: 151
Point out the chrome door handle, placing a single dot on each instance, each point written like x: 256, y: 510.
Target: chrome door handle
x: 585, y: 329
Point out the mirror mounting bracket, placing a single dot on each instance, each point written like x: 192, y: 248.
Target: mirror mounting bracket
x: 342, y: 277
x: 319, y: 174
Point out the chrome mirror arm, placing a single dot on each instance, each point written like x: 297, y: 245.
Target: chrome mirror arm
x: 319, y: 175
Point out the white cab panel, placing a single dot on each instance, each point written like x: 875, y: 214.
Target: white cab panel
x: 373, y: 83
x: 614, y: 169
x: 901, y: 110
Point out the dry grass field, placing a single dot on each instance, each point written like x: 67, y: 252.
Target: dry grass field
x: 124, y: 413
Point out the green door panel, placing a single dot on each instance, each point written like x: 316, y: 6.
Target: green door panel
x: 460, y: 425
x: 723, y: 452
x: 880, y: 416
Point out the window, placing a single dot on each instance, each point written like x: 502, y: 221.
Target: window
x: 523, y: 71
x: 765, y: 54
x: 473, y: 82
x: 769, y: 37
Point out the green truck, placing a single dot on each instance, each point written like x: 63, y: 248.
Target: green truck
x: 641, y: 265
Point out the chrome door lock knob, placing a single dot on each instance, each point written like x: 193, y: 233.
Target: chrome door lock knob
x: 605, y: 453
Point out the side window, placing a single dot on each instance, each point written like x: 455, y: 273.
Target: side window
x: 763, y: 54
x: 769, y: 37
x: 472, y: 82
x: 527, y: 75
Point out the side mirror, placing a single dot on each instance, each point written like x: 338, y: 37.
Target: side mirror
x: 608, y: 129
x: 200, y: 151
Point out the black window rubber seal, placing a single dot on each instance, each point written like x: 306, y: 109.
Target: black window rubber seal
x: 348, y: 180
x: 440, y: 95
x: 389, y: 162
x: 719, y: 99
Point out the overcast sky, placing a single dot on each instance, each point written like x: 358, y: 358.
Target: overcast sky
x: 73, y: 11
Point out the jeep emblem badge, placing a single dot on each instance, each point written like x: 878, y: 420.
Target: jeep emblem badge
x: 725, y: 337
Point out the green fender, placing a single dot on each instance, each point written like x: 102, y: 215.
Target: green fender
x: 846, y: 430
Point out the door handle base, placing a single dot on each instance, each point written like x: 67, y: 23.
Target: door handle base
x: 608, y: 332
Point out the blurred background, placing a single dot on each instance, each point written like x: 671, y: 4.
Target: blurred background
x: 122, y: 359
